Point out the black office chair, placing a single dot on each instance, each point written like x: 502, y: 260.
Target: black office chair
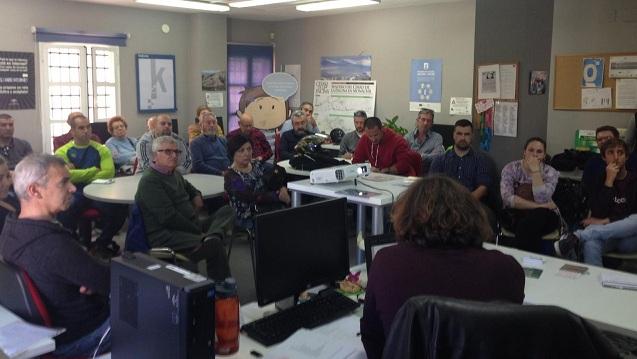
x: 437, y: 327
x: 20, y: 296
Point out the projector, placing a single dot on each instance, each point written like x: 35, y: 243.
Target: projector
x: 340, y: 173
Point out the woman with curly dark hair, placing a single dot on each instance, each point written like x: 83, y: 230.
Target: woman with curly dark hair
x: 440, y: 228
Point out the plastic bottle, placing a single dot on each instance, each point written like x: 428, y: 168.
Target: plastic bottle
x: 227, y: 317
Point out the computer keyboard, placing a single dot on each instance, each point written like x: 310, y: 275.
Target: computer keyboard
x: 626, y: 345
x: 329, y: 305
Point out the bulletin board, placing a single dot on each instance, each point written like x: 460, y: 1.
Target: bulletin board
x: 567, y: 89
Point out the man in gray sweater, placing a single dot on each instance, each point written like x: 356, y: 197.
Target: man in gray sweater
x: 350, y: 140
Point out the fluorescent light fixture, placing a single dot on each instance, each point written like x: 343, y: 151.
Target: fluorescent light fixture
x: 334, y: 4
x: 187, y: 4
x: 249, y: 3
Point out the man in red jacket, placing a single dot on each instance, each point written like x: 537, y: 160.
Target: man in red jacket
x: 386, y: 151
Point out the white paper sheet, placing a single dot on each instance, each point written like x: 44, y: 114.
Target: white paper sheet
x: 489, y: 81
x: 596, y: 98
x: 19, y: 337
x: 508, y: 80
x: 626, y: 93
x: 505, y: 119
x: 460, y: 106
x: 310, y: 344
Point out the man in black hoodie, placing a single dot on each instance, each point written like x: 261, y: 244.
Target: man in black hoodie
x: 73, y: 285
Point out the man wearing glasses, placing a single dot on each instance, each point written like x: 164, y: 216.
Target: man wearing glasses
x: 161, y: 126
x: 310, y: 122
x: 169, y: 206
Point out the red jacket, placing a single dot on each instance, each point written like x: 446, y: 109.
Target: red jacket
x: 392, y: 150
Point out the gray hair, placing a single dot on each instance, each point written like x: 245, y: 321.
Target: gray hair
x: 33, y: 169
x: 426, y: 111
x: 161, y: 140
x: 298, y: 113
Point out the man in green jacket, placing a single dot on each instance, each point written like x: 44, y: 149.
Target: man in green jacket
x: 169, y: 206
x: 87, y: 161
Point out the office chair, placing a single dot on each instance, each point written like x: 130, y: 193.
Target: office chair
x: 437, y: 327
x: 21, y: 297
x: 136, y: 242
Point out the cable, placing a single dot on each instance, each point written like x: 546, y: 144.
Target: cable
x: 376, y: 188
x: 101, y: 340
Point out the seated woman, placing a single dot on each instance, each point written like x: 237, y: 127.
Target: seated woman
x: 440, y: 228
x: 122, y: 147
x: 244, y: 183
x: 8, y: 203
x: 527, y: 186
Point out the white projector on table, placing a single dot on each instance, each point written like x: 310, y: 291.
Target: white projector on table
x: 340, y: 173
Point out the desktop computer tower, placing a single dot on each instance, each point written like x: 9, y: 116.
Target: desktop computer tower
x: 159, y: 310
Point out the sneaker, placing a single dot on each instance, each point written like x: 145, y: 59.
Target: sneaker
x: 567, y: 246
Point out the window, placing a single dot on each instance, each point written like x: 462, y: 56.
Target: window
x: 247, y: 66
x: 77, y: 77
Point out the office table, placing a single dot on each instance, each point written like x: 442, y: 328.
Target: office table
x: 123, y: 189
x: 41, y: 347
x: 387, y: 188
x: 608, y: 308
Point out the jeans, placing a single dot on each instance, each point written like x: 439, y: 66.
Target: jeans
x: 597, y: 239
x: 86, y: 345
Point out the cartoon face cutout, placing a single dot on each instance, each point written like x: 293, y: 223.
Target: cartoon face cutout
x: 267, y: 112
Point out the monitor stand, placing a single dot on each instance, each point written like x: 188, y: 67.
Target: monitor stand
x: 286, y: 303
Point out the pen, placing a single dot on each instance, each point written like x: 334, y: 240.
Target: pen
x: 256, y: 353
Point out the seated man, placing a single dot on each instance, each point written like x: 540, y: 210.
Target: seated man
x: 11, y: 148
x: 194, y: 129
x: 423, y: 140
x: 75, y: 286
x: 88, y: 161
x: 350, y: 140
x: 209, y: 154
x: 161, y: 126
x: 462, y: 163
x: 261, y: 149
x: 386, y: 151
x: 595, y: 166
x: 169, y: 206
x: 62, y: 140
x: 310, y: 122
x: 290, y: 138
x: 613, y: 222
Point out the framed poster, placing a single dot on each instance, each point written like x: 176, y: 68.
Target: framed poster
x: 156, y: 88
x: 17, y: 80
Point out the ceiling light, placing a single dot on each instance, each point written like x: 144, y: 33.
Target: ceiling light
x: 249, y: 3
x: 187, y: 4
x: 335, y: 4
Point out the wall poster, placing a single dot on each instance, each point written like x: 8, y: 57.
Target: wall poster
x: 156, y: 87
x: 336, y: 101
x: 17, y: 80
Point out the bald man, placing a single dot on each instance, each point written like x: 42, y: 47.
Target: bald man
x: 261, y: 149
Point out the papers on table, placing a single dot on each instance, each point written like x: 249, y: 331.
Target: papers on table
x: 337, y: 340
x: 618, y: 281
x: 20, y: 339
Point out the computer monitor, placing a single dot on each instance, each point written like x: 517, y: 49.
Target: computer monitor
x: 373, y: 244
x: 299, y: 248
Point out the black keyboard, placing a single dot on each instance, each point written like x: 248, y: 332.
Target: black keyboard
x: 328, y: 306
x: 626, y: 345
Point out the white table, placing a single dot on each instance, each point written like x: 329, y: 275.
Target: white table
x: 388, y: 187
x: 608, y: 308
x: 41, y: 347
x: 123, y: 189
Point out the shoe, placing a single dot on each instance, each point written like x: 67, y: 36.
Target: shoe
x: 567, y: 246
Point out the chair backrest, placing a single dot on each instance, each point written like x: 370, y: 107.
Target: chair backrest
x: 20, y: 296
x: 136, y: 233
x: 437, y: 327
x: 277, y: 146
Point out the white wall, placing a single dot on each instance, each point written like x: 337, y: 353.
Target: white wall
x: 393, y: 37
x: 587, y: 26
x: 197, y: 41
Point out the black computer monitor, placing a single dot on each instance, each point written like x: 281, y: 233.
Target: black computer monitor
x: 299, y: 248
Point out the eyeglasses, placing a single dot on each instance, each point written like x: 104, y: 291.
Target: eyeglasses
x: 170, y: 152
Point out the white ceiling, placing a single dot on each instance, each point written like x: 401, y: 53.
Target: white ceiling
x: 277, y: 12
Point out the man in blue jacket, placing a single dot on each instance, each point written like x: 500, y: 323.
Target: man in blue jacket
x: 209, y: 153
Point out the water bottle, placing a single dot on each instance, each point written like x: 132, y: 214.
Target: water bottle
x: 227, y: 317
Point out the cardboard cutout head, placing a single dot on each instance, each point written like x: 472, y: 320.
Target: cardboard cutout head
x: 268, y: 112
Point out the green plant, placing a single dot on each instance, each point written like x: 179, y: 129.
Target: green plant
x: 393, y: 124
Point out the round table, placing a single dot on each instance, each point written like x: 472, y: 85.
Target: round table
x: 123, y: 189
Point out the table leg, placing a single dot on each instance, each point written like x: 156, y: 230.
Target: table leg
x: 360, y: 229
x: 296, y: 198
x: 377, y: 220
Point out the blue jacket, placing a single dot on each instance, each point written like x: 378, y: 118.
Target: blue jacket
x: 209, y: 155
